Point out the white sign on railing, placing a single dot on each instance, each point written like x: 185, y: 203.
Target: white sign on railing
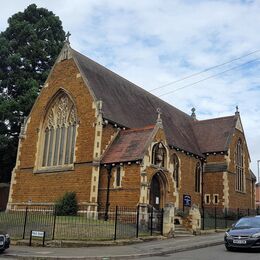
x: 37, y: 234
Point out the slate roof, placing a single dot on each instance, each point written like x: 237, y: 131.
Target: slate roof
x: 129, y: 145
x: 213, y: 135
x: 130, y: 106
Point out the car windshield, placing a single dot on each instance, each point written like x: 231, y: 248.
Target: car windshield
x: 247, y: 223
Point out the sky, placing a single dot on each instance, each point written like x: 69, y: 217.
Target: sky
x: 156, y: 42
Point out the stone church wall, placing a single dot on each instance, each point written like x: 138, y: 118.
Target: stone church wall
x: 128, y: 193
x: 29, y: 185
x: 240, y: 199
x: 187, y: 178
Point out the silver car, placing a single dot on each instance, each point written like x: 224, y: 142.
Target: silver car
x: 245, y: 233
x: 4, y: 241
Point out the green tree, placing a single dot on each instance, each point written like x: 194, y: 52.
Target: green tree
x: 67, y: 205
x: 28, y: 49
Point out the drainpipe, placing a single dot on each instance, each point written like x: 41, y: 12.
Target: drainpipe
x: 109, y: 170
x: 202, y: 191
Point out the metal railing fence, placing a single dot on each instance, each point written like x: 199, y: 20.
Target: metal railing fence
x: 117, y: 223
x: 219, y: 218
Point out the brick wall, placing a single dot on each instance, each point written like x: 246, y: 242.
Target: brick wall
x: 239, y: 199
x: 128, y: 194
x: 47, y: 187
x: 214, y: 181
x: 187, y: 178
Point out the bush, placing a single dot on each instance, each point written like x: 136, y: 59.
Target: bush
x: 67, y: 205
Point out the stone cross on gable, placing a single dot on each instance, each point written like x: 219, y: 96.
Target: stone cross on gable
x: 68, y: 37
x: 237, y: 111
x: 159, y: 112
x: 193, y: 114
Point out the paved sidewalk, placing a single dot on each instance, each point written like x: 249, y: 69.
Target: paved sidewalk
x: 131, y: 251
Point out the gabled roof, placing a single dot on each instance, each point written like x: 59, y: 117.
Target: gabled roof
x: 131, y: 106
x: 128, y: 105
x: 129, y: 145
x: 213, y: 135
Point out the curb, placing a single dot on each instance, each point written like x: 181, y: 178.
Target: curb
x: 112, y: 257
x: 77, y: 244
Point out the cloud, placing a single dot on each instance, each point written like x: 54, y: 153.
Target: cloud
x: 155, y: 42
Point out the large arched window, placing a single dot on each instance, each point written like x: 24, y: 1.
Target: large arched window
x: 197, y: 177
x: 59, y: 133
x: 159, y: 155
x: 239, y: 162
x: 176, y: 169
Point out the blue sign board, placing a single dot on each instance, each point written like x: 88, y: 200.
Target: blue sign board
x: 186, y: 200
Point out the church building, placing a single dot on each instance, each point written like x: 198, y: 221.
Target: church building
x: 95, y: 133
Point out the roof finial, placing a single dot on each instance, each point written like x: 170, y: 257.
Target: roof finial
x: 193, y: 114
x: 68, y: 34
x: 237, y: 111
x: 159, y: 119
x: 99, y: 106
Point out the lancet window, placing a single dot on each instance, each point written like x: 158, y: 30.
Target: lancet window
x: 59, y: 133
x: 239, y: 162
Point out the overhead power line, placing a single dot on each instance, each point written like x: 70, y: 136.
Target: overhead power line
x: 203, y: 71
x: 212, y: 76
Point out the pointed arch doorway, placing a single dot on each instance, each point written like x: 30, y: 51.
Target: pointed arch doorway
x: 157, y: 191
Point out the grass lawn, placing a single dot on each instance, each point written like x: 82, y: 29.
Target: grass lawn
x: 63, y: 227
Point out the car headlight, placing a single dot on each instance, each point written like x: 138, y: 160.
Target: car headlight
x: 227, y: 234
x: 7, y: 236
x: 256, y: 235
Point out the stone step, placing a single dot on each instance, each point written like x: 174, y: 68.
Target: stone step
x: 181, y: 231
x: 180, y: 228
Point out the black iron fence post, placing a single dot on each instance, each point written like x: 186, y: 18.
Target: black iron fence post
x: 215, y: 215
x: 248, y: 212
x: 137, y: 221
x: 54, y: 223
x: 116, y: 222
x: 151, y: 221
x: 203, y: 218
x: 25, y: 221
x: 225, y: 217
x: 162, y: 222
x: 238, y: 213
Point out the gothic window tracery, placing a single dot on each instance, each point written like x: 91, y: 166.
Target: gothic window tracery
x: 59, y: 133
x: 159, y: 155
x: 239, y: 162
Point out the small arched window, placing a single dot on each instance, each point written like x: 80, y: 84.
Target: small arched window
x: 159, y: 155
x: 239, y: 162
x: 176, y: 169
x: 197, y: 177
x: 59, y: 133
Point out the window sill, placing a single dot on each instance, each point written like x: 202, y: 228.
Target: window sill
x: 241, y: 192
x: 55, y: 169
